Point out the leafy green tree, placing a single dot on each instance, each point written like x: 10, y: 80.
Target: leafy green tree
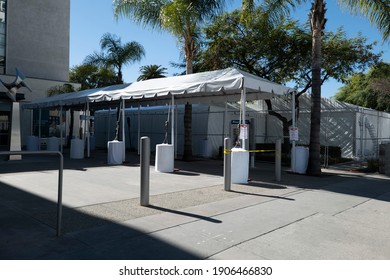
x: 92, y: 76
x: 59, y: 89
x: 181, y: 18
x: 371, y: 90
x: 115, y: 54
x: 228, y: 42
x: 152, y: 72
x: 284, y: 54
x: 378, y: 12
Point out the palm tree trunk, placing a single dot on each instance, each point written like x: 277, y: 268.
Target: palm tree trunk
x: 317, y: 24
x: 119, y: 78
x: 187, y: 155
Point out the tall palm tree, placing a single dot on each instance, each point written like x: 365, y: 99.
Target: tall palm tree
x: 181, y: 18
x: 151, y: 72
x: 377, y: 11
x: 115, y: 54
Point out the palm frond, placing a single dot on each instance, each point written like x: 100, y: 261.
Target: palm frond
x: 141, y: 11
x: 132, y: 52
x: 377, y: 11
x: 98, y: 59
x: 274, y: 10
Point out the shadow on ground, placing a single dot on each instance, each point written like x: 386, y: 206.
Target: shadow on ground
x: 28, y: 231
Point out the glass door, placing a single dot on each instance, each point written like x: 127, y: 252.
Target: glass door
x: 5, y: 127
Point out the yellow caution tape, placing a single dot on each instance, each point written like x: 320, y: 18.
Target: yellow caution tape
x: 247, y: 151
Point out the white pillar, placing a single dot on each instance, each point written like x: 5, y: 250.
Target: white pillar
x: 15, y: 140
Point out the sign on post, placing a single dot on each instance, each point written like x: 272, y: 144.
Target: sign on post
x: 243, y: 131
x: 294, y: 134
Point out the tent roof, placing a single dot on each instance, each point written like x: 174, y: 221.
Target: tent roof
x: 70, y: 98
x: 216, y: 86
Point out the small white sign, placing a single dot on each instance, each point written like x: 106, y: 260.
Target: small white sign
x: 243, y: 131
x: 294, y: 134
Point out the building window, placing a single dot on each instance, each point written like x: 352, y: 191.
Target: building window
x: 3, y: 11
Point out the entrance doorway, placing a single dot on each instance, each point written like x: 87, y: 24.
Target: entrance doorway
x: 5, y: 125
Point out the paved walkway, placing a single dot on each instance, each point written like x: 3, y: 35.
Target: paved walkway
x: 340, y: 215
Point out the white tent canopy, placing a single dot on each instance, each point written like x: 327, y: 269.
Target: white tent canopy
x: 71, y: 98
x: 214, y: 86
x: 227, y: 85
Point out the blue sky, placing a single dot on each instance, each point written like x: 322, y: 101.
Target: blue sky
x: 90, y: 19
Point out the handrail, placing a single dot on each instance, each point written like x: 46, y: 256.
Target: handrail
x: 60, y: 177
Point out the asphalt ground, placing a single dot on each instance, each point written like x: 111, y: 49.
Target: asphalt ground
x: 340, y: 215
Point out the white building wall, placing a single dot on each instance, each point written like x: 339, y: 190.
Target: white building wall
x: 38, y: 38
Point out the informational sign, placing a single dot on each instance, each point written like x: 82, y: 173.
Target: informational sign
x: 239, y: 121
x: 294, y: 134
x: 243, y: 131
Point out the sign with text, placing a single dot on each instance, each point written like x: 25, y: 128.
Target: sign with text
x: 244, y: 131
x: 294, y: 134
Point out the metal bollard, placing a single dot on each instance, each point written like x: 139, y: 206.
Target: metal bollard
x: 145, y: 170
x: 278, y: 160
x: 227, y: 165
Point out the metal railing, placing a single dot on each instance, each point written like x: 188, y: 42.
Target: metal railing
x: 60, y: 177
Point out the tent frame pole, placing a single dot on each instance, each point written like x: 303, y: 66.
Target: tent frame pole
x: 139, y: 128
x: 61, y: 132
x: 243, y: 112
x: 293, y: 125
x: 123, y: 129
x: 173, y: 123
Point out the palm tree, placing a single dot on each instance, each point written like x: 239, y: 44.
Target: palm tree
x: 151, y: 72
x: 181, y: 18
x: 378, y: 12
x: 116, y: 55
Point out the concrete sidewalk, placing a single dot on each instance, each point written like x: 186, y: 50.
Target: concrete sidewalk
x: 341, y: 215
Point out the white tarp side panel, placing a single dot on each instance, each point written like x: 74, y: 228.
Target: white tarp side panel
x: 337, y: 129
x: 367, y: 135
x: 372, y: 129
x: 339, y: 125
x: 273, y: 130
x: 105, y: 127
x: 384, y: 127
x: 152, y: 125
x: 348, y: 126
x: 269, y: 128
x: 200, y: 124
x: 215, y: 132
